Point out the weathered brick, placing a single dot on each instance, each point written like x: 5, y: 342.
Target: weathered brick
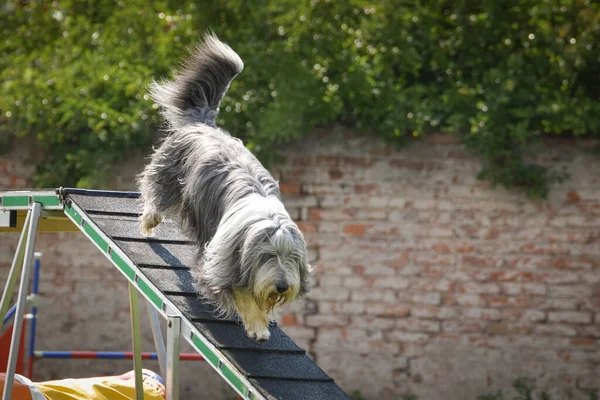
x: 323, y: 293
x: 421, y: 311
x: 478, y: 261
x: 334, y: 269
x: 367, y: 188
x: 533, y: 316
x: 288, y: 320
x: 379, y: 270
x: 391, y: 282
x: 473, y: 300
x: 459, y: 326
x: 427, y: 298
x: 425, y: 311
x: 354, y: 282
x: 434, y: 259
x: 319, y: 214
x: 418, y: 325
x: 444, y: 285
x: 486, y: 314
x: 368, y: 322
x: 387, y: 296
x: 307, y: 227
x: 286, y: 188
x: 330, y: 280
x: 511, y: 276
x: 555, y: 330
x: 329, y: 227
x: 411, y: 337
x: 592, y: 331
x: 300, y: 333
x: 371, y: 215
x: 350, y: 307
x: 400, y: 260
x: 480, y: 288
x: 507, y: 301
x: 559, y: 304
x: 512, y: 288
x: 397, y: 202
x: 387, y: 310
x: 574, y: 317
x: 294, y: 214
x: 300, y: 201
x: 355, y: 229
x: 313, y: 254
x: 589, y: 381
x: 329, y: 201
x: 573, y: 291
x: 560, y: 277
x: 327, y: 320
x: 574, y: 221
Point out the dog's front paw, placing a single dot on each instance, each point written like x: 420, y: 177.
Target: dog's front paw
x: 261, y: 336
x: 148, y: 222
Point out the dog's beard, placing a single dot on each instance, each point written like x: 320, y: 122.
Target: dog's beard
x: 257, y: 302
x: 266, y: 279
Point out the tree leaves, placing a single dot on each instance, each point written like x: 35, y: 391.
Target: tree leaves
x: 497, y: 75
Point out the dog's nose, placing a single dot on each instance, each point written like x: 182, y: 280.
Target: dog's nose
x: 281, y: 287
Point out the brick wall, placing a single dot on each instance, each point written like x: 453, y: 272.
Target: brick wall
x: 428, y: 282
x: 431, y: 283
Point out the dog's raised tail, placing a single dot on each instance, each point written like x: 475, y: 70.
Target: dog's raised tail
x: 195, y: 93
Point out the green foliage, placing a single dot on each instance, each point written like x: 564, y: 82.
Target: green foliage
x: 357, y: 395
x: 492, y: 396
x: 409, y: 397
x: 499, y: 75
x: 525, y: 392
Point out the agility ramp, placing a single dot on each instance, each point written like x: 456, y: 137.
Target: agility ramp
x: 157, y: 268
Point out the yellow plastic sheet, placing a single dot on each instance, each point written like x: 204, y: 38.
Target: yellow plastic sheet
x: 98, y: 388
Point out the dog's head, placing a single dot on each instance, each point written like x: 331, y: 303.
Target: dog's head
x: 259, y: 250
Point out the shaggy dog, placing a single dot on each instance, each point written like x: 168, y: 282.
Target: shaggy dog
x: 251, y: 257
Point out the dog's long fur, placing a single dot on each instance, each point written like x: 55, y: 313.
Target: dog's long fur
x: 221, y: 196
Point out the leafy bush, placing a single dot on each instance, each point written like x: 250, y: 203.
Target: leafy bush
x: 497, y: 74
x: 526, y: 392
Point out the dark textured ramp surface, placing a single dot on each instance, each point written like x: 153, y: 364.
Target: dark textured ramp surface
x: 278, y: 368
x: 299, y: 390
x: 158, y: 254
x: 128, y: 227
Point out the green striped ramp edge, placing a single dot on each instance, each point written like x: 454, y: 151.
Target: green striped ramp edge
x: 104, y: 243
x: 226, y: 371
x: 22, y: 199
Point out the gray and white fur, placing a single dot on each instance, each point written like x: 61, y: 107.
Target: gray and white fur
x: 251, y: 256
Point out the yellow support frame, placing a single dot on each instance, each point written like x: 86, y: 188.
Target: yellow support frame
x: 51, y: 221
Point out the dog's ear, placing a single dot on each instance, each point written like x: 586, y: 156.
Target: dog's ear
x: 306, y: 272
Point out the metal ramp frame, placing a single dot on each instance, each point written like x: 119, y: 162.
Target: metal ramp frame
x: 157, y: 268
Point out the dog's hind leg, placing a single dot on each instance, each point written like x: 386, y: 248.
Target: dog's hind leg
x: 160, y: 187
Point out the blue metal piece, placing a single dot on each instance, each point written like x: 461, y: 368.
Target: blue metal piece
x: 9, y: 314
x: 34, y: 291
x: 114, y: 355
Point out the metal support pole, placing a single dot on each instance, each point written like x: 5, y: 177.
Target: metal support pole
x: 36, y: 210
x: 15, y: 268
x: 34, y: 294
x: 137, y: 342
x: 173, y: 337
x: 158, y: 338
